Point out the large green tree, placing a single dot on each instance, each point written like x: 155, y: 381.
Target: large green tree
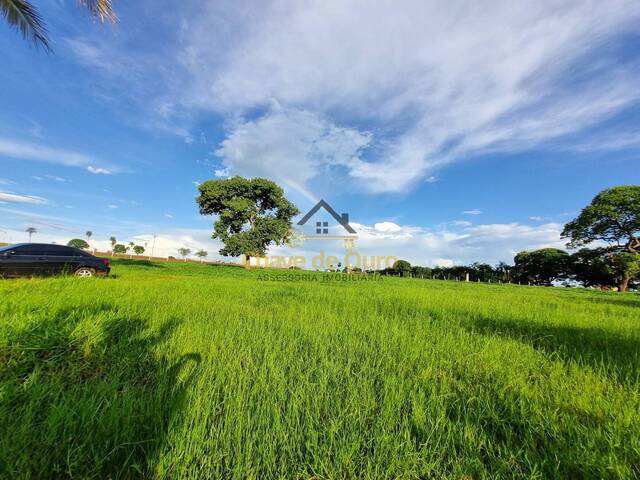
x: 24, y: 16
x: 613, y: 217
x: 252, y: 214
x: 541, y: 267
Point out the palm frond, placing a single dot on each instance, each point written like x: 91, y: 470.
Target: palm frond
x: 22, y: 15
x: 101, y: 9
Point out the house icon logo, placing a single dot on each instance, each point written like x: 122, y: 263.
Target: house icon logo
x: 349, y: 235
x: 322, y: 227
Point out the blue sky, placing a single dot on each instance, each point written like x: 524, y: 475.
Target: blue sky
x: 450, y: 132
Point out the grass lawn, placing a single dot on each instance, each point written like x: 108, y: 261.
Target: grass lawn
x: 173, y: 370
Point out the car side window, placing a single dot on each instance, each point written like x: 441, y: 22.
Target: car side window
x: 61, y: 251
x: 30, y: 250
x: 54, y: 251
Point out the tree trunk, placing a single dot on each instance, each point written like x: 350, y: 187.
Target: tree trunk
x: 247, y: 261
x: 623, y: 284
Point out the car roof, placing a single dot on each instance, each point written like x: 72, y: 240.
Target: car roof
x: 24, y: 244
x: 16, y: 245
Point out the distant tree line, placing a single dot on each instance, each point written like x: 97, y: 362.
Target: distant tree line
x: 544, y: 267
x: 612, y: 221
x: 116, y: 248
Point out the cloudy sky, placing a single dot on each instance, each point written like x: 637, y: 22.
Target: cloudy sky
x: 449, y: 131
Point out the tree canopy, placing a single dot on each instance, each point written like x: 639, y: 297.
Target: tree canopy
x: 402, y: 267
x: 252, y: 214
x: 119, y: 248
x: 613, y: 216
x: 78, y: 243
x: 541, y: 267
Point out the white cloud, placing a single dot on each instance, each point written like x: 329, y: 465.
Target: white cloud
x: 475, y: 211
x: 462, y: 223
x: 61, y: 228
x: 168, y: 215
x: 292, y: 146
x: 430, y: 83
x: 447, y: 82
x: 50, y: 177
x: 40, y: 153
x: 56, y: 178
x: 5, y: 181
x: 443, y: 262
x: 112, y: 206
x: 426, y: 83
x: 92, y: 54
x: 7, y: 197
x: 98, y: 170
x: 387, y: 227
x: 607, y: 141
x: 221, y: 173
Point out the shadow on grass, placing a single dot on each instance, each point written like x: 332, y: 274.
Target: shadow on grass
x: 88, y: 400
x: 521, y: 437
x: 135, y: 263
x: 621, y: 299
x: 600, y: 349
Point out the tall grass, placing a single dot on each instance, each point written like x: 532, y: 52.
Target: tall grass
x: 176, y: 370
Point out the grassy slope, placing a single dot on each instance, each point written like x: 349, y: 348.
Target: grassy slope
x: 185, y: 371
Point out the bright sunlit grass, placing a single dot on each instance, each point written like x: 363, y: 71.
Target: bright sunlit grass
x: 176, y: 370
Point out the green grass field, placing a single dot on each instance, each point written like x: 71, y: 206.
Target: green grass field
x: 172, y: 370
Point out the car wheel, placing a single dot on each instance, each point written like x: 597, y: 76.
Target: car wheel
x: 85, y: 272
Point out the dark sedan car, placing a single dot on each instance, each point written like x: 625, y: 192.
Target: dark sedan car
x: 39, y: 259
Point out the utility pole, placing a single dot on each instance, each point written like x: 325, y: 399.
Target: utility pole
x: 153, y: 246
